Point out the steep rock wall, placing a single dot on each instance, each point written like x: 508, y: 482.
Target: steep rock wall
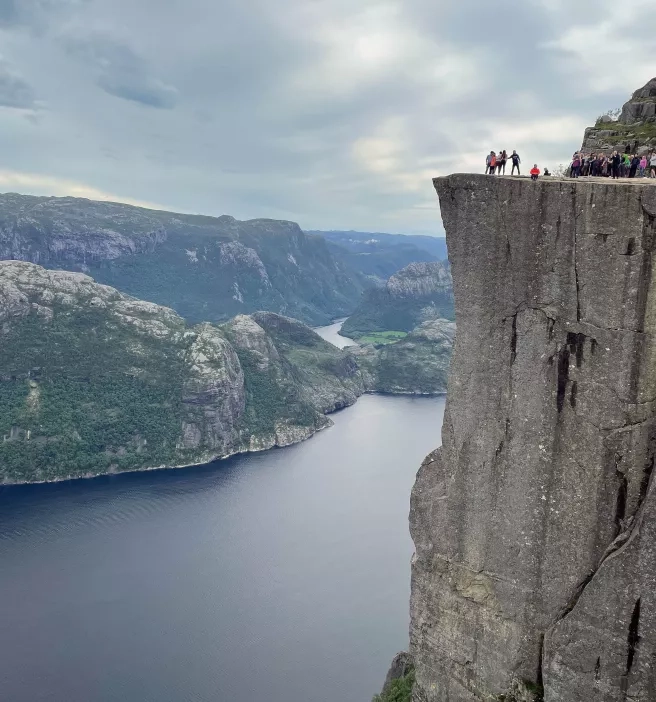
x: 535, y: 556
x: 634, y: 131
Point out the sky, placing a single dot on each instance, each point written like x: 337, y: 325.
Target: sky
x: 332, y: 113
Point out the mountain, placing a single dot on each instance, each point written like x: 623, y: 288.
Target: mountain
x: 635, y: 127
x: 418, y: 364
x: 93, y: 381
x: 419, y: 292
x: 205, y: 268
x: 378, y: 256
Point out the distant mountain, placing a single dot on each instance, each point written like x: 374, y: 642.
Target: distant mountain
x: 417, y: 364
x: 205, y: 268
x: 378, y: 255
x: 418, y: 293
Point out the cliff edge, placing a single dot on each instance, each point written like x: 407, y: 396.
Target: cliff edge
x: 535, y: 522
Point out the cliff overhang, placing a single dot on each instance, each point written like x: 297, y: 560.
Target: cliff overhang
x: 534, y: 523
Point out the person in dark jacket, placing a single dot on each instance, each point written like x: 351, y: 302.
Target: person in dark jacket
x: 501, y: 161
x: 635, y: 164
x: 615, y: 162
x: 514, y: 157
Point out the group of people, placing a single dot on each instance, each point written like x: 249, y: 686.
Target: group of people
x: 496, y: 163
x: 615, y: 165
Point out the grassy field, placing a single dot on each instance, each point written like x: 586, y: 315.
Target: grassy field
x: 380, y: 338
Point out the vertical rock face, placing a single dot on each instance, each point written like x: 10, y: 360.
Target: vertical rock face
x: 635, y: 129
x: 534, y: 523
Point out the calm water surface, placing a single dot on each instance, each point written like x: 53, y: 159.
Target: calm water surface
x: 274, y: 577
x: 330, y: 333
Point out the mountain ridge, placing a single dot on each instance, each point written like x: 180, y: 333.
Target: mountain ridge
x: 206, y: 268
x: 93, y: 381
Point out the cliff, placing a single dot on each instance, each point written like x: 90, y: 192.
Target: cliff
x: 418, y: 364
x: 93, y: 381
x: 205, y: 268
x: 635, y: 127
x: 534, y: 523
x: 420, y: 292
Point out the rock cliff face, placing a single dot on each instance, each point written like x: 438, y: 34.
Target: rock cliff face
x: 417, y: 365
x: 93, y: 381
x: 206, y: 268
x: 534, y: 523
x: 635, y: 128
x: 418, y: 293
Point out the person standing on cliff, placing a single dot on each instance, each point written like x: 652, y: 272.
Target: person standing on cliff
x: 643, y: 165
x: 615, y: 161
x: 515, y: 163
x: 576, y: 165
x: 635, y: 164
x: 652, y: 165
x: 493, y: 163
x: 501, y: 163
x: 488, y: 163
x: 594, y: 165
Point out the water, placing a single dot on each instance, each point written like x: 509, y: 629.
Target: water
x: 330, y: 333
x: 273, y: 577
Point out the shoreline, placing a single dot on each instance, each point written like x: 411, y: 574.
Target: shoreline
x: 218, y: 457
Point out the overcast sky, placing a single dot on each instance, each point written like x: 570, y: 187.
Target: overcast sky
x: 332, y: 113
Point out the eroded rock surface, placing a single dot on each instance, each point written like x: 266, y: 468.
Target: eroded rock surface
x: 535, y: 559
x: 635, y: 129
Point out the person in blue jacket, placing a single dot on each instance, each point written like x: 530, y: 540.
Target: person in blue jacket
x: 515, y: 163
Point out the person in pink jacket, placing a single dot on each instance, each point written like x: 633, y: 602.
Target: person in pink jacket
x: 643, y: 165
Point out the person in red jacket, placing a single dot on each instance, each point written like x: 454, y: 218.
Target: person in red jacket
x: 535, y: 172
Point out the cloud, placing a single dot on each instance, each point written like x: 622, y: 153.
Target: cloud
x: 121, y: 72
x: 9, y: 12
x: 619, y: 34
x: 332, y: 113
x: 34, y: 14
x: 14, y: 91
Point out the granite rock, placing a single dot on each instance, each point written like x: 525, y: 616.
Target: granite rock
x: 533, y: 524
x: 635, y: 126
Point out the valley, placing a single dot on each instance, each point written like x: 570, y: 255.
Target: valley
x: 93, y: 381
